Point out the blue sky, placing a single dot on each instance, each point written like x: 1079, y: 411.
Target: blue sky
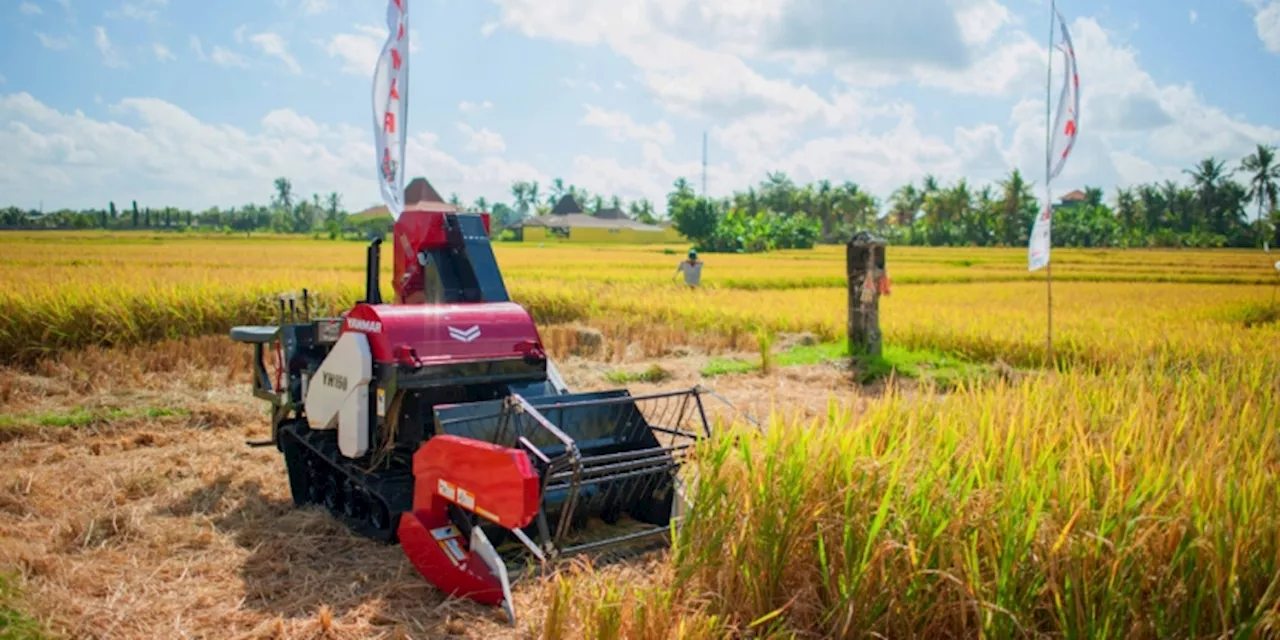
x: 200, y: 103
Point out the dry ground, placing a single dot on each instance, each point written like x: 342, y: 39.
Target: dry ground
x: 130, y: 506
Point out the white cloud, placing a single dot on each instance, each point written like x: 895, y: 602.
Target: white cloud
x: 704, y: 60
x: 197, y: 47
x: 313, y: 7
x: 239, y: 32
x: 30, y: 9
x: 44, y: 151
x: 1194, y: 16
x: 162, y: 52
x: 359, y: 51
x: 142, y: 10
x: 482, y: 140
x: 470, y: 107
x: 574, y: 83
x: 286, y: 123
x: 621, y: 127
x: 1267, y: 22
x: 780, y: 85
x: 225, y: 58
x: 54, y: 43
x: 981, y: 20
x: 110, y: 56
x: 275, y: 46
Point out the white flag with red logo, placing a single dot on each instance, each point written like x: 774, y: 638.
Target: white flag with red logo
x: 1066, y: 126
x: 390, y: 106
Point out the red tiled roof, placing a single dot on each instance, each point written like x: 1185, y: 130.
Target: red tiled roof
x: 418, y: 196
x: 1074, y: 196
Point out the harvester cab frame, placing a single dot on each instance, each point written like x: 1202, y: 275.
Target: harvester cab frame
x: 443, y: 424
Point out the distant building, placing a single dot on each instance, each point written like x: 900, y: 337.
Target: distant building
x: 419, y: 195
x: 567, y: 221
x: 1072, y: 199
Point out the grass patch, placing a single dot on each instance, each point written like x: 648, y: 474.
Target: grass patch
x: 84, y: 417
x: 14, y: 623
x: 927, y: 365
x: 727, y: 367
x: 944, y: 370
x: 1254, y: 314
x: 653, y: 374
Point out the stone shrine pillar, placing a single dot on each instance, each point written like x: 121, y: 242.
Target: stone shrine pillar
x: 868, y: 279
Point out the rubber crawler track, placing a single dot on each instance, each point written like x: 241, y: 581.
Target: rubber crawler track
x: 369, y: 504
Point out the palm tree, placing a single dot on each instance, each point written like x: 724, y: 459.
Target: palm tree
x: 481, y: 204
x: 557, y: 189
x: 1153, y: 207
x: 335, y: 205
x: 1207, y: 178
x: 1127, y: 208
x: 1016, y: 194
x: 284, y: 193
x: 930, y: 185
x: 1264, y: 180
x: 520, y: 194
x: 904, y: 204
x: 533, y: 192
x: 1093, y: 196
x: 1176, y: 214
x: 642, y: 210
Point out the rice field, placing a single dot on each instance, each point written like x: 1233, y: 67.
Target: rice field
x: 1128, y: 489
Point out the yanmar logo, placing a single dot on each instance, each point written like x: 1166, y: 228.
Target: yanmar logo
x: 367, y: 326
x: 465, y: 335
x: 334, y: 380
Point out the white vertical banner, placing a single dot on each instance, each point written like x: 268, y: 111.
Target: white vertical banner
x: 1065, y: 129
x: 391, y: 106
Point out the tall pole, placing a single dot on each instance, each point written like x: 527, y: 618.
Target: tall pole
x: 1048, y: 192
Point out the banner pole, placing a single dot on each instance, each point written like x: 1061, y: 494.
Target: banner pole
x: 1048, y: 192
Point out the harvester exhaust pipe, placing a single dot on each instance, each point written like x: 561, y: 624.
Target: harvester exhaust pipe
x: 372, y: 290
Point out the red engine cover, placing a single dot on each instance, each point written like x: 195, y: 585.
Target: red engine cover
x: 446, y: 333
x: 418, y: 230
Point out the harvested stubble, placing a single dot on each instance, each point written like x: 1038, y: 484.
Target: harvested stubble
x: 136, y: 527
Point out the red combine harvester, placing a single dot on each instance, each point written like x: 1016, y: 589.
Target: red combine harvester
x: 438, y: 420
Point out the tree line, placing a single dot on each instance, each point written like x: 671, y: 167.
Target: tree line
x: 1212, y: 209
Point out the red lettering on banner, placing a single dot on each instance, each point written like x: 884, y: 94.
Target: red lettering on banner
x: 389, y: 122
x: 399, y: 5
x: 1071, y: 128
x: 395, y: 59
x: 400, y: 35
x: 395, y: 93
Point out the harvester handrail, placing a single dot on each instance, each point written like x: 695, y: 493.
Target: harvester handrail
x: 595, y: 402
x: 574, y: 458
x: 522, y: 405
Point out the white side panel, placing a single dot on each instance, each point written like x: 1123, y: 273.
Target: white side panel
x: 353, y: 423
x: 344, y: 373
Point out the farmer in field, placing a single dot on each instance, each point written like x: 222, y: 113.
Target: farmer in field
x: 692, y: 269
